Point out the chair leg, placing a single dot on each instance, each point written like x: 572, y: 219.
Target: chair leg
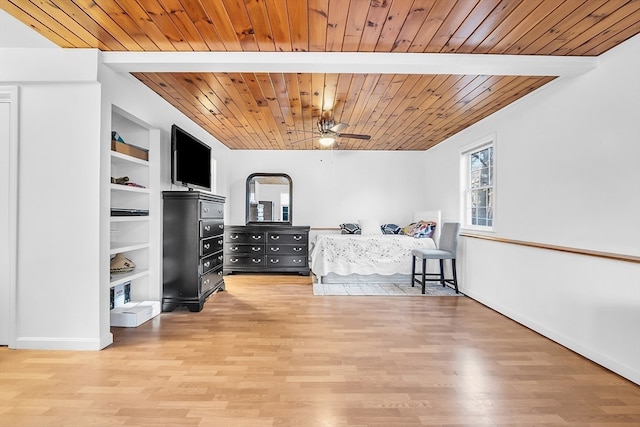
x: 455, y: 275
x: 424, y: 270
x: 442, y: 272
x: 413, y: 271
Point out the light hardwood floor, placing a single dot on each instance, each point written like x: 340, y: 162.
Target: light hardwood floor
x: 268, y: 353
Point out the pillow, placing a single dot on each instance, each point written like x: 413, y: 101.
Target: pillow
x: 370, y: 227
x: 349, y: 228
x: 407, y: 229
x: 420, y: 229
x: 390, y: 229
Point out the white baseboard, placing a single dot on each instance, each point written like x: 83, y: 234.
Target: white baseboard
x: 48, y: 343
x: 627, y: 372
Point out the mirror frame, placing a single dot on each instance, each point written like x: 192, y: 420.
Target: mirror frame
x: 248, y: 198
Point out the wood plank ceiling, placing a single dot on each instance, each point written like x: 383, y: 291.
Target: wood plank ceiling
x: 268, y: 110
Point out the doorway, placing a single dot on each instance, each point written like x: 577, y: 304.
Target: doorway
x: 8, y: 212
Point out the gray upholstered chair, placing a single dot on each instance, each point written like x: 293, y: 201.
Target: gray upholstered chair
x: 446, y: 250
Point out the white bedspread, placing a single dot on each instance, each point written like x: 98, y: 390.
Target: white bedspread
x: 357, y: 254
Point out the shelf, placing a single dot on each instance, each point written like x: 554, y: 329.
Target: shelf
x: 130, y: 218
x: 127, y: 158
x: 119, y: 187
x: 118, y: 279
x: 138, y: 237
x: 118, y: 247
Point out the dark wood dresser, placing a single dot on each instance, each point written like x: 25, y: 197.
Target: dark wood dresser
x: 266, y: 249
x: 193, y: 240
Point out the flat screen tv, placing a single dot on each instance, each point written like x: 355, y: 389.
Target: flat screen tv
x: 190, y: 160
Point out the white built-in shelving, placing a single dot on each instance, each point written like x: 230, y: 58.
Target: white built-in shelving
x: 137, y: 237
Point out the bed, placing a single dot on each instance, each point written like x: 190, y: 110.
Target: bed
x: 347, y: 258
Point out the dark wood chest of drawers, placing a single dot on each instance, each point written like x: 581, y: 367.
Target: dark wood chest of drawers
x: 266, y: 249
x: 193, y: 241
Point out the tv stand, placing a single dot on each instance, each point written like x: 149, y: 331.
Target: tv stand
x: 192, y: 248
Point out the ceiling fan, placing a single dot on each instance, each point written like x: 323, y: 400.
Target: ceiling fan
x: 328, y: 131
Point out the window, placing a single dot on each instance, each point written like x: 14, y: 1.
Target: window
x: 284, y: 203
x: 478, y: 170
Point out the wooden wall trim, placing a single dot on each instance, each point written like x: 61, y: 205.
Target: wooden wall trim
x: 598, y: 254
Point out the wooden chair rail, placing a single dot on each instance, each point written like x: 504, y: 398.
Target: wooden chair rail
x: 609, y: 255
x: 599, y: 254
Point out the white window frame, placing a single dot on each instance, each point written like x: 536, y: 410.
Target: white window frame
x: 465, y: 187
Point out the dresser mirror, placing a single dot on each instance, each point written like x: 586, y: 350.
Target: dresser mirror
x: 269, y: 199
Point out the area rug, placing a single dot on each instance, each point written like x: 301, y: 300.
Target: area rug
x: 382, y: 289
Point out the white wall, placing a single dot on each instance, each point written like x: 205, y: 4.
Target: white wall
x: 58, y: 215
x: 15, y: 34
x: 567, y: 175
x: 58, y: 221
x: 58, y: 205
x: 333, y: 186
x: 64, y: 124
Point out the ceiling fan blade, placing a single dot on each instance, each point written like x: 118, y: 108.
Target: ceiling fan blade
x: 337, y: 128
x: 354, y: 136
x: 289, y: 132
x: 302, y: 140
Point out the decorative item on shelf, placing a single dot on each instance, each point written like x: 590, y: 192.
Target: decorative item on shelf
x: 115, y: 136
x: 121, y: 264
x: 129, y: 212
x: 120, y: 295
x: 118, y: 145
x: 124, y: 180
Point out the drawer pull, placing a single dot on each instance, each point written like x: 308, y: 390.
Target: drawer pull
x: 233, y: 260
x: 221, y: 226
x: 207, y: 264
x: 207, y: 228
x: 220, y: 273
x: 297, y: 237
x: 220, y: 257
x: 207, y: 245
x: 274, y: 261
x: 234, y: 248
x: 220, y: 242
x: 256, y: 260
x: 276, y: 249
x: 256, y: 248
x: 297, y: 261
x: 297, y: 249
x: 206, y: 210
x: 234, y: 236
x: 275, y: 237
x: 256, y: 236
x: 206, y: 282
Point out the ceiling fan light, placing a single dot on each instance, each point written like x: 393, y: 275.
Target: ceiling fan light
x: 326, y: 140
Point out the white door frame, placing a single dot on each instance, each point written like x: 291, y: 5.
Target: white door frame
x: 9, y: 216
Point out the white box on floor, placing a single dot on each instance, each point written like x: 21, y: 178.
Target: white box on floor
x: 155, y: 306
x: 134, y: 313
